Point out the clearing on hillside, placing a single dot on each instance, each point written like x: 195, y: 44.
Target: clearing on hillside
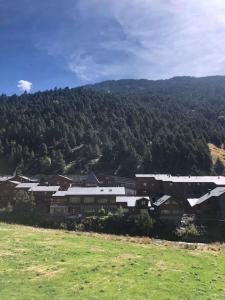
x: 217, y: 153
x: 52, y: 264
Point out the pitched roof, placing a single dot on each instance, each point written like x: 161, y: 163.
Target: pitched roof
x: 44, y: 188
x: 162, y: 200
x: 5, y: 178
x: 131, y: 200
x: 60, y: 194
x: 92, y: 179
x: 65, y: 177
x: 26, y: 185
x: 14, y: 182
x: 218, y: 180
x: 73, y: 191
x: 218, y: 191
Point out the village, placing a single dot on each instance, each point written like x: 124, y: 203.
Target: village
x: 164, y: 197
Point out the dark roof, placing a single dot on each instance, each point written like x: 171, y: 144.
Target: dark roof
x: 92, y: 179
x: 162, y: 200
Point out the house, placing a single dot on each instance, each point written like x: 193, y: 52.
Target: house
x: 92, y: 180
x: 57, y: 180
x: 172, y: 195
x: 210, y: 205
x: 43, y: 195
x: 22, y: 190
x: 180, y: 187
x: 22, y: 178
x: 168, y: 208
x: 134, y: 204
x: 85, y: 200
x: 7, y: 193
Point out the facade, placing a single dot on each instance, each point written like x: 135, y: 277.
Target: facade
x: 42, y: 196
x: 163, y: 196
x: 134, y: 204
x: 79, y: 201
x: 170, y: 194
x: 56, y: 180
x: 7, y: 193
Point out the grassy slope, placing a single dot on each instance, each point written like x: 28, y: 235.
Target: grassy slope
x: 217, y: 153
x: 51, y: 264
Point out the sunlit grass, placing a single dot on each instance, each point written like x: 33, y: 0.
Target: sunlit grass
x: 51, y: 264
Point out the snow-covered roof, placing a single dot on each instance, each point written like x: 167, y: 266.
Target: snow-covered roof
x: 218, y: 191
x: 131, y: 200
x: 26, y: 185
x: 44, y: 188
x: 218, y: 180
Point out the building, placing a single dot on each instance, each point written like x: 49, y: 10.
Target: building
x: 85, y: 200
x: 43, y: 195
x: 170, y: 194
x: 210, y: 205
x: 57, y: 180
x: 7, y: 193
x: 134, y: 204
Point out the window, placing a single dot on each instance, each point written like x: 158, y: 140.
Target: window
x: 58, y: 210
x: 73, y: 211
x: 173, y: 202
x: 89, y: 210
x: 102, y: 201
x: 112, y: 201
x: 75, y: 200
x: 176, y: 212
x: 88, y: 200
x: 165, y: 212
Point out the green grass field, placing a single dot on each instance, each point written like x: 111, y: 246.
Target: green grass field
x: 51, y: 264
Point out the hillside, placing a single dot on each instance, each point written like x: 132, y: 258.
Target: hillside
x: 187, y: 88
x: 217, y: 153
x: 51, y: 264
x: 140, y: 126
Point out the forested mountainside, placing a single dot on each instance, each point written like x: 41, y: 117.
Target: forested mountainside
x: 78, y: 130
x: 182, y: 88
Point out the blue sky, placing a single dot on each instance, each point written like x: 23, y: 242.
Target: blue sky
x: 55, y: 43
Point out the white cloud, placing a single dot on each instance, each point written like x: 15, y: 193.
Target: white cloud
x: 24, y: 85
x: 142, y: 39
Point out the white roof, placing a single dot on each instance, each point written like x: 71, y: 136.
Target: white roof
x: 26, y: 185
x: 162, y: 200
x: 59, y: 194
x: 218, y: 191
x: 5, y: 178
x: 74, y: 191
x: 96, y: 191
x: 27, y: 178
x: 44, y: 188
x: 131, y: 200
x: 218, y: 180
x: 15, y: 182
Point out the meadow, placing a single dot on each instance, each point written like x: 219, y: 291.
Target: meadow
x: 52, y: 264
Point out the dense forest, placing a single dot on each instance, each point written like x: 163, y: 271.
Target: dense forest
x: 118, y: 127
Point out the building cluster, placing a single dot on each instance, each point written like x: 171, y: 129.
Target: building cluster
x: 163, y: 196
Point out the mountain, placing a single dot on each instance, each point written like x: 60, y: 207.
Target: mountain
x: 118, y: 127
x: 186, y: 87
